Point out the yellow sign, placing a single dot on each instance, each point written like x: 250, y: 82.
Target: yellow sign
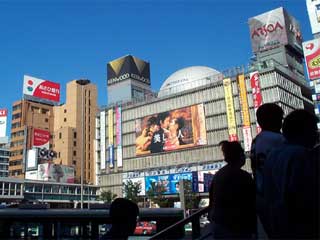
x: 244, y: 101
x: 110, y: 126
x: 232, y: 126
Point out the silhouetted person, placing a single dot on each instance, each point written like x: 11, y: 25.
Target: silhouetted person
x: 291, y: 179
x: 232, y: 196
x: 123, y: 213
x: 269, y: 117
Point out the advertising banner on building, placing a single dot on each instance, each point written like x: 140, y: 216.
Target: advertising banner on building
x: 232, y: 125
x: 173, y: 130
x: 111, y: 156
x: 268, y: 30
x: 31, y: 175
x: 311, y: 51
x: 32, y: 160
x: 41, y: 138
x: 110, y: 139
x: 119, y: 136
x: 256, y: 93
x: 128, y: 67
x: 103, y: 148
x: 3, y: 122
x: 42, y: 89
x: 110, y: 126
x: 246, y: 124
x: 313, y: 7
x: 55, y: 173
x: 169, y: 182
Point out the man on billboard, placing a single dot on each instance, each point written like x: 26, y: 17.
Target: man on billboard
x: 159, y: 137
x: 144, y: 140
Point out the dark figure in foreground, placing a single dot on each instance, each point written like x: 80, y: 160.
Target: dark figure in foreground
x: 291, y: 180
x: 269, y: 117
x: 123, y: 213
x: 232, y: 197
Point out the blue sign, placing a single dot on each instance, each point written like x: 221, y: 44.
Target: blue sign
x: 169, y: 182
x: 111, y: 156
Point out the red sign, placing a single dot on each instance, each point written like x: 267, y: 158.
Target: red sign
x: 256, y: 93
x: 3, y: 112
x: 41, y: 138
x: 41, y: 89
x: 311, y: 51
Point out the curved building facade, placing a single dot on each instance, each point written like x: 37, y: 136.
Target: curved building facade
x: 212, y: 112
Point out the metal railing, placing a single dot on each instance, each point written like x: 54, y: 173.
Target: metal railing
x: 194, y: 218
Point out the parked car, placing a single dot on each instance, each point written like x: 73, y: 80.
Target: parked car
x: 145, y: 228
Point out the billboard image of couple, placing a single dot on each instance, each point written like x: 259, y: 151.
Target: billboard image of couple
x: 173, y: 130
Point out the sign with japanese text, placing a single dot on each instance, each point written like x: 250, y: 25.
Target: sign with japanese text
x: 232, y: 125
x: 42, y: 89
x: 246, y: 129
x: 311, y: 51
x: 41, y: 138
x: 3, y: 122
x: 256, y: 93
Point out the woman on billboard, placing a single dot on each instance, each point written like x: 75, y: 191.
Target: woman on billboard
x: 175, y: 135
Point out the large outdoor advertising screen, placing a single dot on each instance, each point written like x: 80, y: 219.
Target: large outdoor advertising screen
x: 55, y: 173
x: 173, y: 130
x: 168, y: 183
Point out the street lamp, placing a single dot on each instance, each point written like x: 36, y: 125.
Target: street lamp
x: 82, y: 82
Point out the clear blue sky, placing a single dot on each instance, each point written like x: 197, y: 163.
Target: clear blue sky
x: 62, y: 40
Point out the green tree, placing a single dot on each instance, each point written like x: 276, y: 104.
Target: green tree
x: 156, y: 193
x: 107, y: 196
x: 131, y: 190
x: 191, y: 198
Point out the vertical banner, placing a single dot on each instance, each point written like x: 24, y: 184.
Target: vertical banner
x: 256, y: 93
x: 110, y: 137
x: 246, y: 129
x: 311, y: 50
x: 119, y: 136
x: 103, y: 139
x: 3, y: 122
x: 232, y: 126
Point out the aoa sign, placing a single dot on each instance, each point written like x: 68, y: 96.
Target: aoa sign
x: 265, y: 30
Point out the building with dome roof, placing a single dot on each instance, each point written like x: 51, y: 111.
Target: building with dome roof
x: 188, y: 78
x: 176, y: 135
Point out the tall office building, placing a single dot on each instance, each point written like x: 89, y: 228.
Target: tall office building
x: 32, y: 118
x: 27, y: 116
x: 74, y: 128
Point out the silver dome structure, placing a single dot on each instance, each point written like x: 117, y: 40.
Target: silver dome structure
x: 188, y: 78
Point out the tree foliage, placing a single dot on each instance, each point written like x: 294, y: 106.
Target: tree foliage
x: 191, y: 198
x: 156, y: 194
x: 107, y: 196
x: 131, y: 190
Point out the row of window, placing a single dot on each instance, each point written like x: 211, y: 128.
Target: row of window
x: 17, y: 134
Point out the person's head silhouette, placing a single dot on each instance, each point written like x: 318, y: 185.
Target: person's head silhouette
x: 123, y: 213
x: 300, y: 127
x: 269, y: 117
x: 233, y: 153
